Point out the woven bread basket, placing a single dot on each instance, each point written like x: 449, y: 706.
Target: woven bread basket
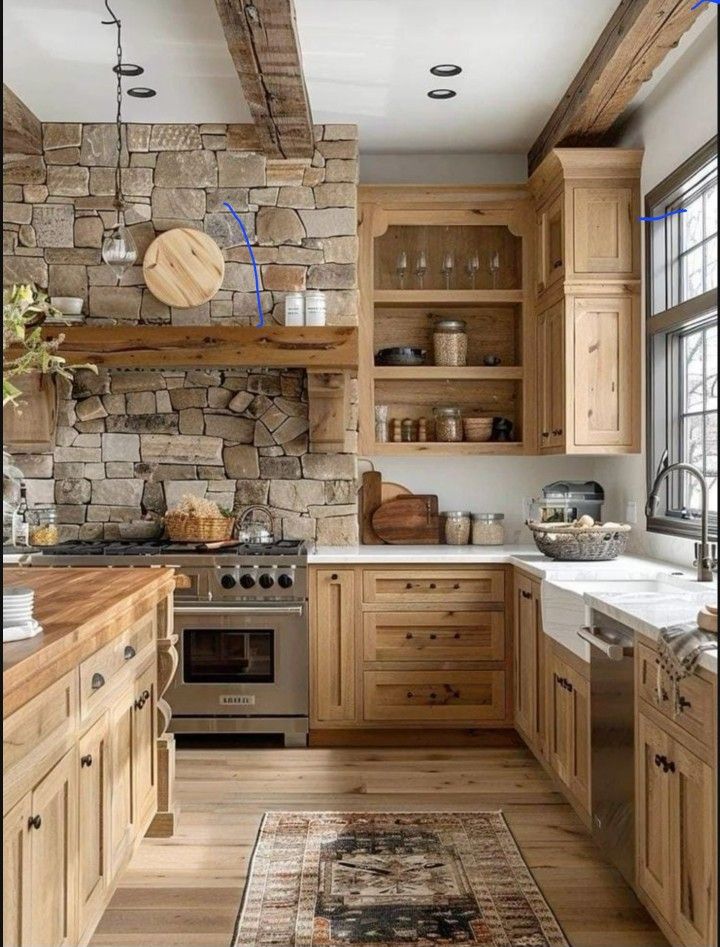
x: 183, y: 528
x: 569, y: 543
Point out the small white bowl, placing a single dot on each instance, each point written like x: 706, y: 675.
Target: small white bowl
x: 68, y: 305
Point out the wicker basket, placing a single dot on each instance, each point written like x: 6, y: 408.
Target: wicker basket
x: 570, y: 543
x: 182, y: 528
x: 477, y: 429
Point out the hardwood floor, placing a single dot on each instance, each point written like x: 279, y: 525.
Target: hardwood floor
x: 186, y: 890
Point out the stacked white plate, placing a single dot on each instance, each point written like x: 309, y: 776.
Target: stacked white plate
x: 18, y: 621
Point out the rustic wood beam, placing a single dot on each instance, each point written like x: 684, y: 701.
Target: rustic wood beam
x: 636, y: 40
x: 22, y: 130
x: 263, y: 42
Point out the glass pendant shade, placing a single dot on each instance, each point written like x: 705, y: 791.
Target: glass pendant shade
x: 119, y: 250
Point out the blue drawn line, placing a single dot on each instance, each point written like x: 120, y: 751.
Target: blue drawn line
x: 670, y: 213
x: 252, y: 258
x: 700, y: 3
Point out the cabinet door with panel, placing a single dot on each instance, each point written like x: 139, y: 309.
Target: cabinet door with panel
x: 551, y: 244
x: 144, y: 766
x: 552, y: 377
x: 53, y: 856
x: 606, y: 378
x: 652, y: 808
x: 93, y: 817
x: 122, y: 805
x: 603, y: 230
x: 578, y: 689
x: 559, y: 710
x: 333, y: 647
x: 16, y: 874
x: 525, y: 656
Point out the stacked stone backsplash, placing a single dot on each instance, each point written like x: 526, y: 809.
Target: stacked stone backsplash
x: 130, y: 444
x: 301, y: 218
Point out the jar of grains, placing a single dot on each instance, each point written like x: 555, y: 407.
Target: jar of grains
x: 457, y: 528
x: 42, y: 526
x: 488, y: 529
x: 448, y: 423
x: 450, y: 342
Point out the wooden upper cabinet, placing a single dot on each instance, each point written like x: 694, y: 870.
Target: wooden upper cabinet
x: 333, y: 647
x: 606, y: 367
x: 551, y: 244
x: 603, y: 230
x: 551, y: 379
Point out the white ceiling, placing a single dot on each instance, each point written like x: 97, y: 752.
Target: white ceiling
x: 367, y: 61
x: 57, y: 58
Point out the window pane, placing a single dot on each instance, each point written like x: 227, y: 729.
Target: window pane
x: 711, y: 280
x: 694, y: 374
x: 692, y: 274
x: 711, y: 366
x: 692, y: 223
x: 711, y: 197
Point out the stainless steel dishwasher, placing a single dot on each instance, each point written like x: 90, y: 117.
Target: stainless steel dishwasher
x: 612, y: 697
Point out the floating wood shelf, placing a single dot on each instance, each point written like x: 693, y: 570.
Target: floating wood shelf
x: 322, y: 348
x: 448, y: 297
x: 440, y: 373
x: 458, y: 447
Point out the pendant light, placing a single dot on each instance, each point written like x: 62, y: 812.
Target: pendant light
x: 118, y: 250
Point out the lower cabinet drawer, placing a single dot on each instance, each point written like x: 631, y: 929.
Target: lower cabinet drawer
x: 434, y: 696
x: 433, y: 586
x: 434, y: 636
x: 695, y: 697
x: 109, y: 665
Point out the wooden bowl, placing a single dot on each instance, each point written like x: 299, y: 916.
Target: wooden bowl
x: 477, y: 429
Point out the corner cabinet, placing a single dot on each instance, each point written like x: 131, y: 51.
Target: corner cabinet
x: 587, y: 301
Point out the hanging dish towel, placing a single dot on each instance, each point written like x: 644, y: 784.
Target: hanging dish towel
x: 679, y: 650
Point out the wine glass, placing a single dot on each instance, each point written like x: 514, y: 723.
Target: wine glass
x: 401, y: 268
x: 471, y: 268
x: 447, y: 267
x: 494, y: 267
x: 421, y: 267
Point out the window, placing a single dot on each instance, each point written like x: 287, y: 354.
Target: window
x: 682, y: 329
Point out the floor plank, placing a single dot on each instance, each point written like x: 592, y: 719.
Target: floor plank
x: 186, y: 890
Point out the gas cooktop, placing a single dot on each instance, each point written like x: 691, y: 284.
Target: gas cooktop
x: 165, y: 547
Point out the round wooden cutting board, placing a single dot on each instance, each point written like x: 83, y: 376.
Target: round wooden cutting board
x: 183, y: 268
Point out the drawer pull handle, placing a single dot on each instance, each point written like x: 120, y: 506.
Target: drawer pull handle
x: 670, y: 766
x: 409, y: 695
x: 457, y: 585
x: 456, y: 636
x: 139, y: 703
x: 97, y: 682
x: 526, y: 594
x: 409, y: 635
x: 433, y: 636
x: 86, y: 760
x: 658, y: 759
x: 34, y: 822
x: 408, y: 585
x: 433, y: 585
x: 129, y: 652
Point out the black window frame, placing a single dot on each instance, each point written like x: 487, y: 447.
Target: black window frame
x: 667, y: 319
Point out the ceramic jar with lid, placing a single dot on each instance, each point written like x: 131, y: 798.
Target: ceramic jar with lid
x: 315, y: 308
x: 457, y: 528
x: 294, y: 309
x: 488, y: 529
x: 450, y: 342
x: 448, y: 423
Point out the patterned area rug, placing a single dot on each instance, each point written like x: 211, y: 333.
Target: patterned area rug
x: 378, y: 879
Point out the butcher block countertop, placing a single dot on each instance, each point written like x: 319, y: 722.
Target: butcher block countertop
x: 80, y: 610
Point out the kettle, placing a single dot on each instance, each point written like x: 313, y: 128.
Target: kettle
x: 253, y: 531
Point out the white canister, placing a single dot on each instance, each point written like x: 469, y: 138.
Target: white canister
x: 315, y: 308
x: 294, y: 309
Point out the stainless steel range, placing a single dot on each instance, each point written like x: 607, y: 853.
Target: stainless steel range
x: 242, y: 622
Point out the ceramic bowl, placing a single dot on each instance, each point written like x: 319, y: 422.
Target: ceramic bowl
x: 68, y: 305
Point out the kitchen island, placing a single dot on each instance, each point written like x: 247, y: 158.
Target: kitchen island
x: 88, y: 765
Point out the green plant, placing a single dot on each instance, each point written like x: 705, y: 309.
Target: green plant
x: 25, y: 308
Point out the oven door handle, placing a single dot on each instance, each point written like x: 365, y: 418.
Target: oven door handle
x: 612, y: 650
x: 240, y: 610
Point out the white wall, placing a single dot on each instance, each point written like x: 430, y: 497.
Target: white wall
x: 443, y: 169
x: 673, y: 122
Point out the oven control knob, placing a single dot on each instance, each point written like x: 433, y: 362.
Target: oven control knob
x: 266, y: 581
x: 247, y: 581
x: 285, y: 581
x: 228, y: 581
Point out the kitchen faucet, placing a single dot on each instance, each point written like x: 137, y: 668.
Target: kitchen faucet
x: 705, y: 562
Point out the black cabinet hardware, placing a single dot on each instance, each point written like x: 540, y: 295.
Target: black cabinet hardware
x: 409, y: 635
x: 86, y: 760
x: 34, y: 822
x: 684, y: 702
x: 456, y: 586
x: 433, y: 585
x: 456, y: 636
x: 97, y: 682
x: 334, y: 576
x: 409, y: 695
x: 433, y: 636
x: 408, y: 585
x: 526, y: 594
x: 129, y: 652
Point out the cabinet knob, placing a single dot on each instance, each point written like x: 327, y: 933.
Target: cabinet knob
x: 456, y: 636
x: 408, y: 585
x: 86, y: 760
x: 526, y: 594
x: 546, y: 433
x: 433, y: 585
x: 456, y: 586
x: 334, y: 576
x: 129, y: 652
x: 433, y: 636
x: 659, y: 760
x: 409, y: 695
x: 683, y: 703
x: 433, y: 696
x: 34, y: 822
x: 97, y: 682
x: 409, y: 635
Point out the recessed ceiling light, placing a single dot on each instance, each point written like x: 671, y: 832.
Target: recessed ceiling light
x: 442, y: 94
x: 446, y: 69
x: 141, y: 92
x: 128, y: 69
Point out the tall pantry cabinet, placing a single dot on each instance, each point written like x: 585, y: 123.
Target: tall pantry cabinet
x: 587, y: 301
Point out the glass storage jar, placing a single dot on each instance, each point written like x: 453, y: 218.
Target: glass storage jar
x: 488, y: 529
x: 42, y: 526
x: 450, y: 342
x: 457, y: 528
x: 448, y: 423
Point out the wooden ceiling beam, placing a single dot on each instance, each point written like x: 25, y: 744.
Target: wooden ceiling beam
x: 263, y: 41
x: 22, y: 130
x: 636, y: 40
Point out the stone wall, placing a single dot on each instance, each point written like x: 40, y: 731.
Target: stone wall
x: 131, y: 443
x: 301, y: 217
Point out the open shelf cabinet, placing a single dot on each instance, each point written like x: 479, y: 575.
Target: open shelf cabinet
x: 406, y: 287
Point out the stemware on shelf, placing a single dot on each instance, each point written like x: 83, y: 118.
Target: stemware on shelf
x: 401, y: 268
x: 494, y: 267
x: 471, y: 268
x: 447, y: 268
x: 421, y: 268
